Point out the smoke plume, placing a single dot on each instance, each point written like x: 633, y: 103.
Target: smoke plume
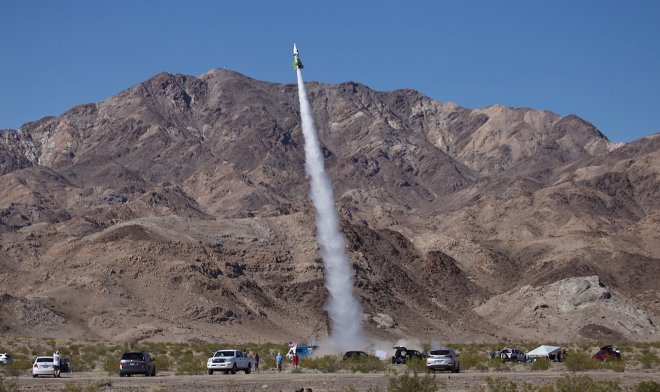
x: 343, y: 308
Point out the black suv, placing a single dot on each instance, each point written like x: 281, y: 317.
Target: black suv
x: 402, y: 355
x: 137, y: 363
x: 354, y: 354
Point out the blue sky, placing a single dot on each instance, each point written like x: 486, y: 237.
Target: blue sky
x: 597, y: 59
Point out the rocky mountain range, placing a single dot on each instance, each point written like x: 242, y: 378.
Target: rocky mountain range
x: 178, y: 209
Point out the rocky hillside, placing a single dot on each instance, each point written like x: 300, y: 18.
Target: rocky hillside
x: 179, y: 209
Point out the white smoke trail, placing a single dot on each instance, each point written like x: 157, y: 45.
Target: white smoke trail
x: 343, y: 308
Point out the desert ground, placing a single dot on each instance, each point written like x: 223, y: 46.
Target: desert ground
x: 287, y: 381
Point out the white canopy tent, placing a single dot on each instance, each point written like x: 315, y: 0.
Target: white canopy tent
x: 544, y: 351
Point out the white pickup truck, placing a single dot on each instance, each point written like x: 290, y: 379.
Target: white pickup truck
x: 229, y: 361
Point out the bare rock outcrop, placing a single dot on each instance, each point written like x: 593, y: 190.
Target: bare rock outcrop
x: 574, y: 308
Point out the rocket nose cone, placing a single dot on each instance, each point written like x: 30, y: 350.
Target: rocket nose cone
x: 295, y: 50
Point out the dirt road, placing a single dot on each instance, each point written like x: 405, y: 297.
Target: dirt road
x: 318, y: 382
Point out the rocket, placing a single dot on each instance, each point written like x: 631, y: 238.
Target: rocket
x: 297, y: 64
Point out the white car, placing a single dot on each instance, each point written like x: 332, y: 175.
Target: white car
x: 229, y: 361
x: 43, y: 366
x: 443, y: 359
x: 5, y: 358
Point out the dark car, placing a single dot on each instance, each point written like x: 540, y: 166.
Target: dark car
x: 354, y: 354
x: 402, y: 355
x: 137, y: 363
x: 607, y: 352
x: 65, y: 365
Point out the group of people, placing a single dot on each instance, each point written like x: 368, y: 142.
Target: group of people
x: 278, y: 361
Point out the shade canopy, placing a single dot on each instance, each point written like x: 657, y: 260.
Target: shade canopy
x: 543, y: 351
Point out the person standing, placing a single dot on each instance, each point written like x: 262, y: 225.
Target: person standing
x: 57, y: 360
x: 256, y: 363
x: 278, y: 361
x: 295, y: 360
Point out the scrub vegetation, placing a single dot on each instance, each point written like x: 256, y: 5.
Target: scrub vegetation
x: 190, y: 358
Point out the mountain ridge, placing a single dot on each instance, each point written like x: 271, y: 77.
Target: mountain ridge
x: 196, y: 186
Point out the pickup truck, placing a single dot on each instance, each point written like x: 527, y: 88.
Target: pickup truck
x: 229, y: 361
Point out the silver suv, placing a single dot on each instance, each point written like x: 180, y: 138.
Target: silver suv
x: 443, y: 359
x: 513, y: 355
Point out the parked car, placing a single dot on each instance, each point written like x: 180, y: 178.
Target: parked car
x: 402, y: 355
x: 354, y: 354
x: 512, y: 354
x: 5, y: 358
x: 65, y: 365
x: 43, y: 366
x: 443, y: 359
x: 137, y: 363
x: 607, y: 352
x: 229, y: 361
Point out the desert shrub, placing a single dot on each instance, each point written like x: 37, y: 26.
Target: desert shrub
x: 111, y: 365
x: 543, y: 388
x: 497, y: 365
x: 85, y: 363
x: 190, y: 364
x: 648, y: 359
x: 208, y: 348
x: 412, y: 382
x: 473, y: 360
x: 364, y: 364
x: 579, y: 361
x: 163, y: 362
x: 540, y: 364
x: 51, y: 344
x: 646, y: 386
x: 324, y: 364
x: 157, y: 349
x: 417, y: 365
x: 176, y: 350
x: 268, y: 362
x: 19, y: 365
x: 351, y: 388
x: 103, y: 383
x: 71, y: 386
x: 87, y: 357
x: 426, y: 347
x: 501, y: 385
x: 580, y: 383
x: 618, y: 365
x: 99, y: 350
x: 8, y: 385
